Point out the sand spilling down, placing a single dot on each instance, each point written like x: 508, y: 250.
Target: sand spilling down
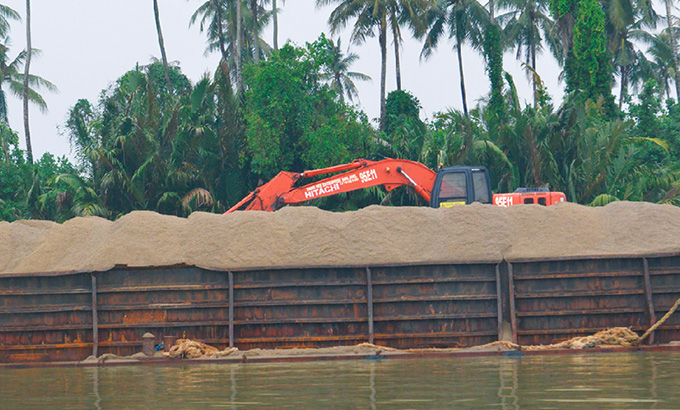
x: 309, y: 237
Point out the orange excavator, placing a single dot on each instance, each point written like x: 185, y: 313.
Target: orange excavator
x: 448, y: 187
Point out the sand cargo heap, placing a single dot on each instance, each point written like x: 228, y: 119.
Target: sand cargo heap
x: 401, y: 277
x: 309, y: 237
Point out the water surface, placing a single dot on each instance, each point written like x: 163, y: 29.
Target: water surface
x: 588, y: 381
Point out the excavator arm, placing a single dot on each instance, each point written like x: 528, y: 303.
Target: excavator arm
x: 358, y: 174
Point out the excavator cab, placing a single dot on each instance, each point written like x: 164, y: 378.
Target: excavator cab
x: 461, y: 185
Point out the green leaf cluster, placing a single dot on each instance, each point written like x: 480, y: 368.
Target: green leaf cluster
x: 592, y: 69
x: 33, y: 190
x: 493, y: 51
x: 293, y: 120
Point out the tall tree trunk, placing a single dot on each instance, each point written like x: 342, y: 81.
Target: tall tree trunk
x: 382, y: 38
x: 624, y: 85
x: 275, y: 12
x: 27, y: 70
x: 462, y: 76
x: 256, y: 48
x: 397, y: 62
x: 220, y: 29
x: 239, y: 45
x: 676, y: 65
x: 533, y: 74
x: 224, y: 64
x: 162, y: 45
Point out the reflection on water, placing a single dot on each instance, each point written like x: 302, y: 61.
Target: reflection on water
x: 602, y: 381
x: 507, y: 389
x: 95, y: 389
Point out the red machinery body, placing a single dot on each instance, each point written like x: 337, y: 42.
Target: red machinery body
x: 450, y: 186
x: 359, y: 174
x: 540, y: 198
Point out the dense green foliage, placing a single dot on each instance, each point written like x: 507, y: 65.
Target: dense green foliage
x: 592, y: 70
x: 178, y: 147
x: 34, y: 191
x: 588, y: 65
x: 295, y: 122
x: 493, y: 50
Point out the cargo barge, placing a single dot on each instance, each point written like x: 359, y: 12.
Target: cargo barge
x: 65, y: 295
x: 69, y: 316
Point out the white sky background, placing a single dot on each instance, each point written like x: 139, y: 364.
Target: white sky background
x: 88, y: 44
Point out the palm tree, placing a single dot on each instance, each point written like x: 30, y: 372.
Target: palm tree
x: 212, y: 14
x: 673, y: 43
x: 626, y: 56
x: 220, y: 19
x: 9, y: 73
x: 370, y: 16
x: 80, y: 195
x: 660, y: 66
x: 341, y: 79
x: 397, y: 41
x: 239, y: 44
x: 275, y: 16
x: 405, y: 12
x: 624, y: 17
x: 253, y: 14
x: 143, y: 155
x: 464, y: 21
x: 259, y: 17
x: 12, y: 76
x: 161, y: 44
x: 527, y: 24
x: 230, y: 30
x: 7, y: 13
x: 27, y: 68
x: 640, y: 71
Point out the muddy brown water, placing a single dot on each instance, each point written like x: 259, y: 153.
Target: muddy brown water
x: 588, y: 381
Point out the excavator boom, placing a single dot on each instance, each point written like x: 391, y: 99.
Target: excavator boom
x: 449, y: 187
x: 358, y: 174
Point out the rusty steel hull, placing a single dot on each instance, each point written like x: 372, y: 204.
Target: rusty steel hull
x: 69, y: 316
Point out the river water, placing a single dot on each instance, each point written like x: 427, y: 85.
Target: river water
x: 584, y: 381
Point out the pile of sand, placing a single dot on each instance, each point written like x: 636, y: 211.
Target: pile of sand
x: 309, y: 237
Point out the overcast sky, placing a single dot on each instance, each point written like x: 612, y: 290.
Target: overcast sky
x: 87, y: 44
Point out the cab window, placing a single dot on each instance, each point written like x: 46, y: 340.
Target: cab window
x: 453, y: 187
x: 481, y: 190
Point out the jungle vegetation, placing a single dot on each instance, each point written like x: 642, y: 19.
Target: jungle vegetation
x: 157, y: 141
